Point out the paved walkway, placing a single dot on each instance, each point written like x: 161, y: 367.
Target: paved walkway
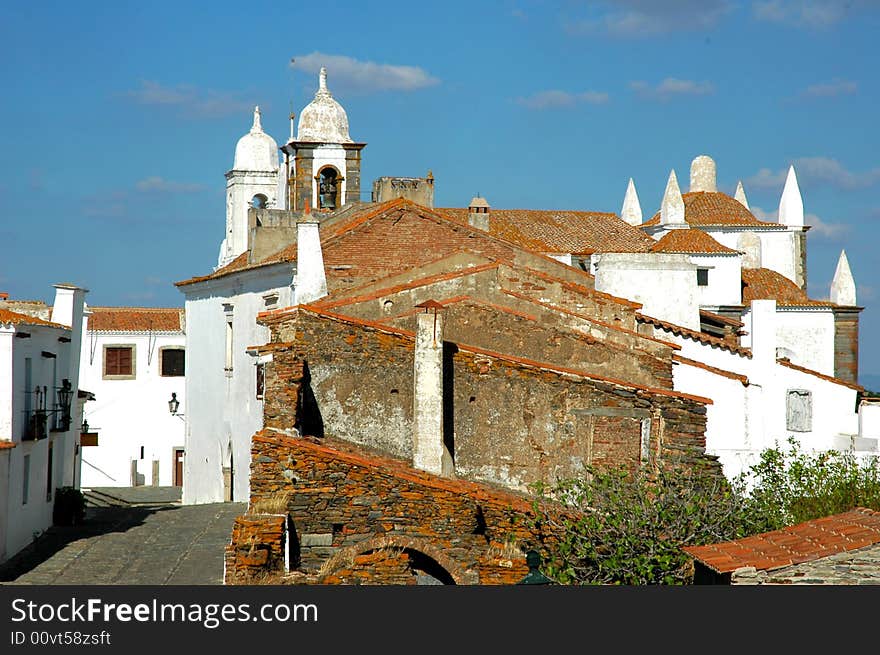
x: 140, y: 545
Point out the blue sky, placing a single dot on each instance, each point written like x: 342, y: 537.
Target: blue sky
x: 122, y: 118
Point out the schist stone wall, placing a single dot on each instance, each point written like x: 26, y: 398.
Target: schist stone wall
x: 846, y: 345
x: 360, y: 518
x: 505, y: 420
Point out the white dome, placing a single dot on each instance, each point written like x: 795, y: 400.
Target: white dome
x: 256, y: 150
x: 323, y: 119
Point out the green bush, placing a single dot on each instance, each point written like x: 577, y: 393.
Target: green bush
x: 70, y: 506
x: 789, y: 486
x: 634, y: 525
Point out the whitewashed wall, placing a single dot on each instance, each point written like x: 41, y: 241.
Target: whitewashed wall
x: 222, y: 411
x: 725, y: 279
x: 133, y: 413
x: 653, y: 279
x: 727, y: 430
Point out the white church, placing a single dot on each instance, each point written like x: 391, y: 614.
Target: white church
x: 727, y: 290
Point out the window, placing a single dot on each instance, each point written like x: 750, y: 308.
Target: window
x: 173, y: 362
x: 261, y: 379
x: 328, y: 187
x: 259, y: 201
x: 799, y: 410
x: 118, y: 362
x: 702, y: 277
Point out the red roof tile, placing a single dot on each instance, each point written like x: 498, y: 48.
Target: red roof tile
x: 714, y: 208
x: 766, y: 284
x: 788, y: 364
x: 561, y: 231
x: 693, y: 334
x: 16, y: 318
x: 691, y: 242
x: 803, y: 542
x: 712, y: 369
x: 135, y: 319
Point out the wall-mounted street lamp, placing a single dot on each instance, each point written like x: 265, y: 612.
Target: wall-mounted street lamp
x: 173, y: 406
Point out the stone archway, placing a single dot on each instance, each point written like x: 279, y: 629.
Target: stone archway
x: 424, y: 559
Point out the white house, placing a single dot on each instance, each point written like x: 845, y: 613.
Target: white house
x: 40, y: 401
x: 793, y: 370
x: 134, y: 360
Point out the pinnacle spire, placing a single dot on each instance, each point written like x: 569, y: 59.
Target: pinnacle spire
x: 740, y: 195
x: 672, y: 207
x: 843, y: 286
x: 257, y: 126
x: 791, y: 205
x: 322, y: 81
x: 631, y: 211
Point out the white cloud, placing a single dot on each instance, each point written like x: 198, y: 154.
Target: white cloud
x: 641, y: 18
x: 554, y: 99
x: 670, y: 88
x: 364, y: 76
x: 159, y: 185
x: 831, y: 89
x: 188, y: 99
x: 815, y: 171
x: 831, y: 231
x: 813, y: 14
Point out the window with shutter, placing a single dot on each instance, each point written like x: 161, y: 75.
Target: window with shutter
x: 119, y: 362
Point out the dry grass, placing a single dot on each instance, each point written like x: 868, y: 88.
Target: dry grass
x: 508, y: 550
x: 275, y: 503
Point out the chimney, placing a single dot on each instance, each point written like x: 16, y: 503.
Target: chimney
x: 68, y: 309
x: 310, y: 282
x: 843, y: 287
x: 791, y: 205
x: 429, y: 450
x: 632, y: 210
x: 672, y: 207
x: 740, y: 195
x: 703, y: 174
x: 478, y: 213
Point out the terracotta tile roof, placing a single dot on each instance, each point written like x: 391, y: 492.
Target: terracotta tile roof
x: 560, y: 231
x: 7, y: 445
x: 712, y: 369
x: 135, y: 319
x: 822, y: 376
x: 715, y: 208
x: 765, y: 284
x: 691, y: 242
x: 693, y: 334
x: 718, y: 318
x: 351, y: 298
x: 795, y: 544
x: 16, y: 318
x: 378, y: 240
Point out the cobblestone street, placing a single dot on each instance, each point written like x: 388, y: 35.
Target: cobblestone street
x: 165, y: 544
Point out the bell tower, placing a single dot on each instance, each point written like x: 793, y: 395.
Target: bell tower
x: 322, y: 163
x: 252, y: 182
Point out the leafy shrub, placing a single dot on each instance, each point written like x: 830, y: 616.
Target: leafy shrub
x: 70, y: 506
x: 634, y: 524
x: 789, y: 486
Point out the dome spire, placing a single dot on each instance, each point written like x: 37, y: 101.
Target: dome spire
x: 322, y: 81
x: 257, y: 126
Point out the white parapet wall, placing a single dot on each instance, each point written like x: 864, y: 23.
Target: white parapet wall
x: 652, y: 279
